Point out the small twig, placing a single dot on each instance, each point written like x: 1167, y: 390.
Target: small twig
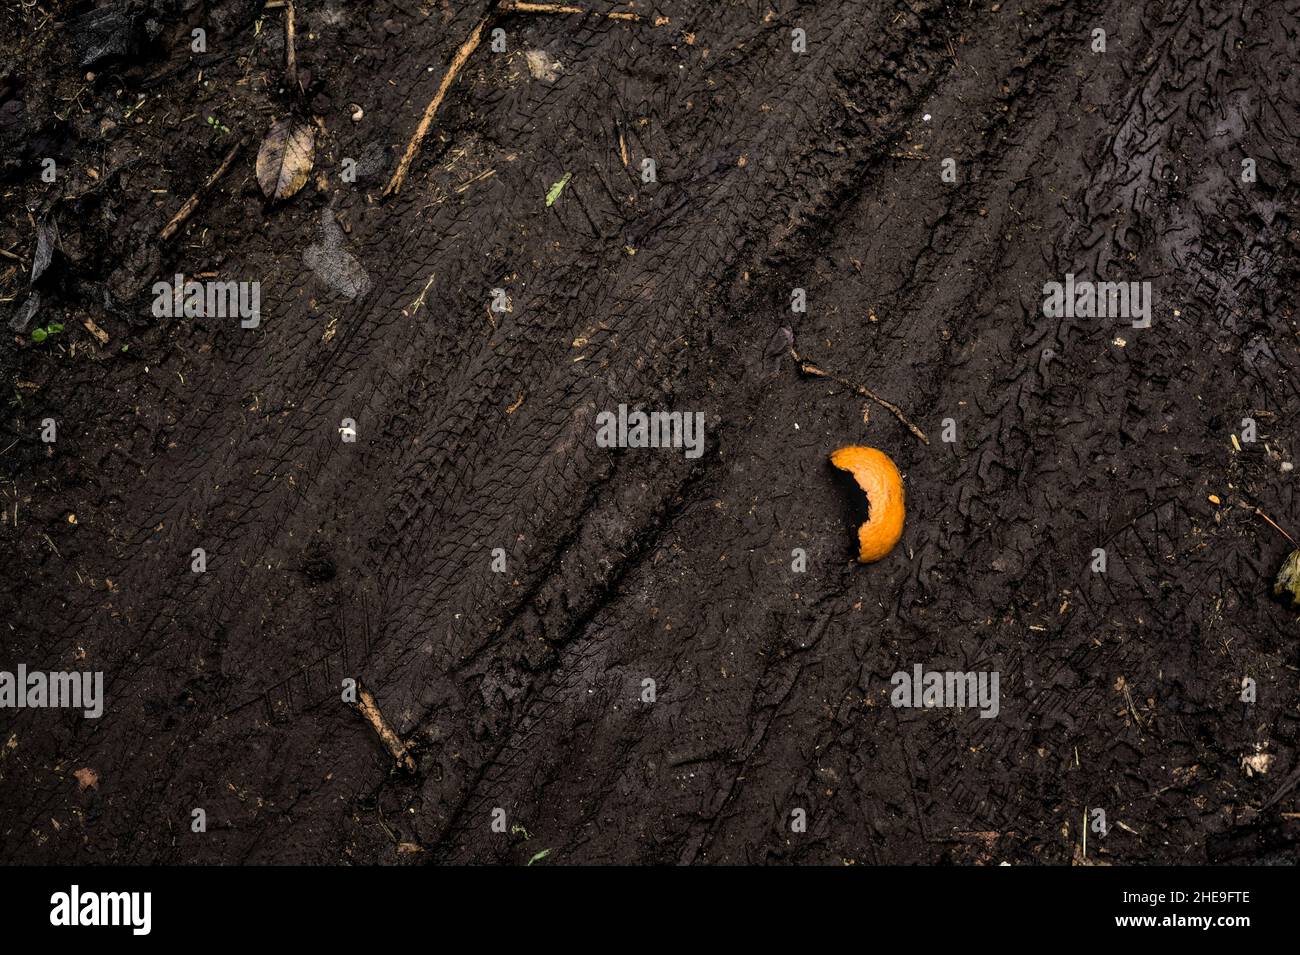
x: 370, y: 710
x: 1132, y: 709
x: 413, y: 147
x: 290, y: 53
x: 518, y: 6
x: 1275, y: 527
x: 9, y: 255
x: 808, y: 368
x: 193, y: 201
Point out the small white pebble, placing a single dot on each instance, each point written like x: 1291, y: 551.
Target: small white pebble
x: 1287, y: 466
x: 926, y: 117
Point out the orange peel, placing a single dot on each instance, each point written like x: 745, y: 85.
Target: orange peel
x: 879, y: 479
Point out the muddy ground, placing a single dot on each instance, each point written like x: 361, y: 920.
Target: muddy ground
x: 475, y: 430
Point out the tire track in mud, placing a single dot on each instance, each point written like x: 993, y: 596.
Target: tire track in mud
x: 1056, y: 705
x: 710, y: 274
x: 263, y: 456
x: 423, y: 615
x: 515, y: 702
x: 1044, y: 701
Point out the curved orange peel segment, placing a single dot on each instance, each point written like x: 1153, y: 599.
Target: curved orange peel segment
x: 883, y: 485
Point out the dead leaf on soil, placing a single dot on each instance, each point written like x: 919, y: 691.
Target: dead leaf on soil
x: 542, y: 66
x: 285, y: 158
x: 1288, y: 579
x: 47, y: 241
x: 87, y: 778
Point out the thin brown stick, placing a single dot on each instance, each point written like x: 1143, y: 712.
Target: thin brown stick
x: 1275, y: 527
x: 370, y: 710
x: 193, y: 201
x: 519, y: 6
x: 290, y: 53
x: 413, y: 147
x: 9, y: 255
x: 809, y: 368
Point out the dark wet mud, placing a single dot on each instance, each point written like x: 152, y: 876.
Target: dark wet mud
x: 524, y: 689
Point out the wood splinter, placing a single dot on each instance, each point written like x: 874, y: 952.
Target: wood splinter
x: 392, y: 742
x: 290, y: 50
x: 519, y: 6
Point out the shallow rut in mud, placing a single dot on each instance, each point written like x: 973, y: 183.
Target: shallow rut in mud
x: 475, y: 430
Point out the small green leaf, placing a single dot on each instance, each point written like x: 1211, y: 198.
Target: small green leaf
x: 539, y: 856
x: 38, y: 335
x: 1288, y: 579
x: 54, y: 328
x: 554, y: 192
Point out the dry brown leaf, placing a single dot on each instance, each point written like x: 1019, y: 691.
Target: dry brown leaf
x: 285, y: 158
x: 1287, y: 583
x: 87, y: 778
